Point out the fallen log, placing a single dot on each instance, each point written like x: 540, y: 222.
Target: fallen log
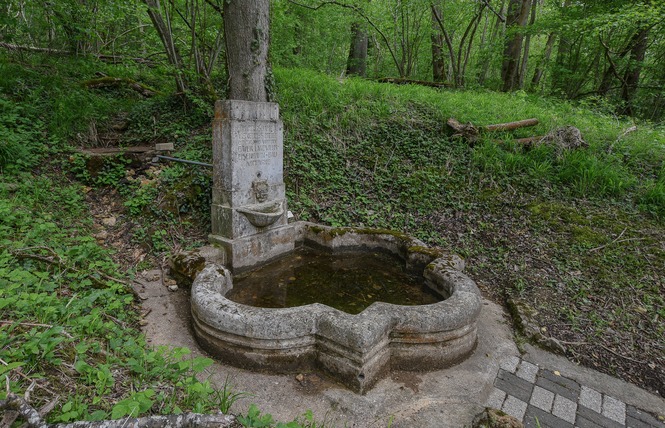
x: 402, y: 81
x: 471, y: 133
x: 108, y: 81
x: 511, y: 125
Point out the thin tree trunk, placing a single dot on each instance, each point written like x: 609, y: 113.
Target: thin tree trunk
x: 166, y: 36
x: 540, y: 68
x: 495, y: 31
x: 561, y: 73
x: 462, y: 61
x: 527, y: 44
x: 438, y: 64
x: 357, y: 62
x: 436, y: 14
x: 631, y: 77
x: 518, y: 12
x: 247, y: 33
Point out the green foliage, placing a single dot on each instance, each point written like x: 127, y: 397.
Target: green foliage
x: 362, y: 148
x: 254, y: 419
x: 58, y: 312
x: 18, y: 137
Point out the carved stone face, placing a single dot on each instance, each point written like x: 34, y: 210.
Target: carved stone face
x: 260, y: 188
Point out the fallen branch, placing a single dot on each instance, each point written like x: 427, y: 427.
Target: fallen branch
x: 34, y: 419
x: 31, y: 324
x: 61, y: 263
x: 511, y: 125
x: 114, y: 59
x: 115, y: 82
x: 471, y: 133
x: 402, y: 81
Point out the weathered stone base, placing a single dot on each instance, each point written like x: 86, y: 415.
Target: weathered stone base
x: 247, y: 253
x: 357, y: 350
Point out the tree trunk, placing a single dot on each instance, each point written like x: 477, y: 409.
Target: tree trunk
x: 166, y: 36
x: 518, y: 12
x: 631, y: 77
x: 438, y: 64
x: 247, y: 33
x: 357, y: 62
x: 527, y: 45
x: 538, y: 74
x: 498, y: 24
x: 561, y: 72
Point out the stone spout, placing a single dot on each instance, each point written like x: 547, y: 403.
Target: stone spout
x: 262, y: 215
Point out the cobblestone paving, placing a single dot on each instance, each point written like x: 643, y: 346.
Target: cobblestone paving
x: 542, y: 398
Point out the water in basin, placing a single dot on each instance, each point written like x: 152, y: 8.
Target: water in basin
x: 348, y: 282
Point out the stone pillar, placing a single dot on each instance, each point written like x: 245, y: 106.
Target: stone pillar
x: 249, y: 219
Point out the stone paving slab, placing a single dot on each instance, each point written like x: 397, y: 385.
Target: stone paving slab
x: 541, y: 397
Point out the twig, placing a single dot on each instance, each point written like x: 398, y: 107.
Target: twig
x: 621, y: 356
x: 61, y: 263
x: 615, y: 240
x: 30, y: 324
x: 48, y: 407
x: 564, y: 342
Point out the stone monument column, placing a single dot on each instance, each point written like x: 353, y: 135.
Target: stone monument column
x: 249, y: 219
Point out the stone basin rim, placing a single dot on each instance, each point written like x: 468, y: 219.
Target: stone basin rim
x: 354, y: 349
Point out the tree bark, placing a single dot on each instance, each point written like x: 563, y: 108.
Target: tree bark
x: 538, y: 73
x: 498, y: 25
x: 247, y: 33
x: 527, y: 45
x: 438, y: 64
x: 357, y: 62
x: 561, y: 71
x: 631, y: 76
x: 518, y: 12
x: 166, y: 36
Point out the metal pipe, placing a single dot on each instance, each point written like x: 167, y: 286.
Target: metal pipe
x: 209, y: 165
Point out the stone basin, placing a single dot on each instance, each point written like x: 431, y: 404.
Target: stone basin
x: 356, y: 350
x: 262, y: 215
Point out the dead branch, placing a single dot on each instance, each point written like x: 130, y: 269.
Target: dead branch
x: 106, y: 82
x: 471, y: 133
x: 60, y: 263
x: 510, y: 126
x: 52, y: 51
x: 33, y: 418
x: 401, y: 81
x: 14, y: 47
x: 31, y: 324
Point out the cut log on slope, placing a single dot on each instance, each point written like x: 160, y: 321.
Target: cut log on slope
x: 511, y: 125
x: 471, y: 133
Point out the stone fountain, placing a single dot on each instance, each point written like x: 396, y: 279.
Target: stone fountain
x: 250, y: 228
